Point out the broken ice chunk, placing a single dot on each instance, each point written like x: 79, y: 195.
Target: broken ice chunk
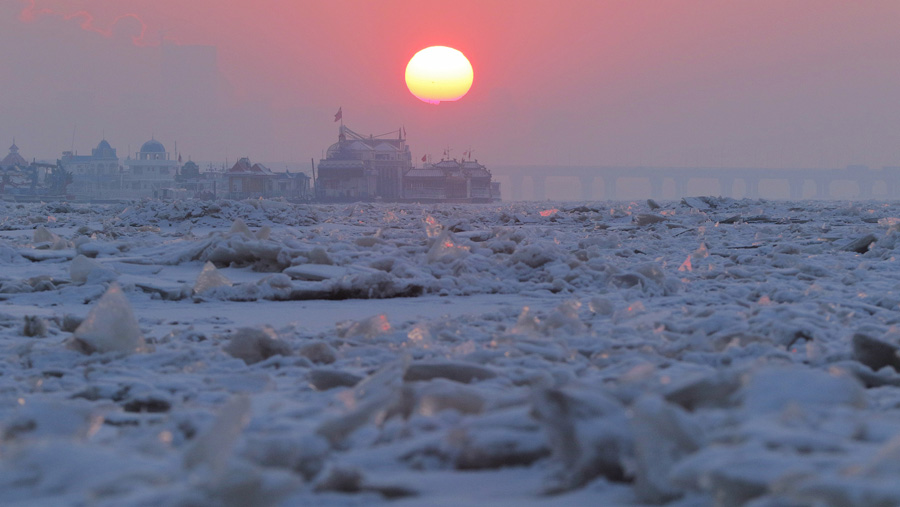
x: 378, y: 397
x: 588, y: 433
x: 35, y: 325
x: 643, y: 219
x: 368, y: 328
x: 316, y: 272
x: 318, y: 352
x: 457, y: 371
x: 446, y: 249
x: 860, y: 245
x: 210, y: 278
x: 110, y: 326
x: 663, y: 435
x: 323, y: 379
x: 239, y: 227
x: 42, y: 235
x: 432, y: 227
x: 774, y: 388
x: 875, y: 353
x: 255, y: 345
x: 84, y: 270
x: 214, y: 446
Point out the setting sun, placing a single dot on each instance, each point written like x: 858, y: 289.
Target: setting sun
x: 439, y: 74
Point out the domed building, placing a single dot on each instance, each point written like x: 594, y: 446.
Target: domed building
x: 359, y: 168
x: 150, y: 171
x: 96, y: 175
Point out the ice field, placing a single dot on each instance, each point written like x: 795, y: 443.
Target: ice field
x: 701, y: 352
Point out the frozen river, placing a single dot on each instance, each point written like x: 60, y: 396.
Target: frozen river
x: 703, y: 352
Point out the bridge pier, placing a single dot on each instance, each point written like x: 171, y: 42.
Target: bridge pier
x: 822, y: 188
x: 656, y: 187
x: 515, y: 182
x: 726, y: 186
x: 796, y: 189
x: 540, y: 188
x: 609, y: 187
x: 752, y: 187
x: 680, y: 187
x: 587, y: 187
x: 865, y: 188
x: 891, y: 180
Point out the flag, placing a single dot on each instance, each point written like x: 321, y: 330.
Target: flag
x: 404, y: 132
x: 338, y: 115
x: 423, y: 157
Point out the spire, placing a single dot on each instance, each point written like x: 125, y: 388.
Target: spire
x: 14, y: 148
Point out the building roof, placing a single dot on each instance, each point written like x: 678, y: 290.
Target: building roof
x: 243, y: 166
x: 386, y: 147
x: 13, y: 159
x: 104, y: 150
x: 153, y: 146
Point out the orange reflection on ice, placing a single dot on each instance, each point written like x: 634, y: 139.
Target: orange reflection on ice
x: 549, y: 212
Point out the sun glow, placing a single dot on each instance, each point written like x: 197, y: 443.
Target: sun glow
x: 439, y: 74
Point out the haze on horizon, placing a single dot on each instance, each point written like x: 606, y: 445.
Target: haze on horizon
x: 767, y: 83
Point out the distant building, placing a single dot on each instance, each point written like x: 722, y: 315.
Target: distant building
x: 245, y: 180
x: 23, y: 179
x: 152, y: 170
x: 363, y: 168
x: 450, y: 180
x: 291, y: 186
x: 14, y: 177
x: 95, y: 174
x: 190, y: 170
x: 13, y: 159
x: 197, y: 184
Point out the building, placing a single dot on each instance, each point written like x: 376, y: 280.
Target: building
x: 291, y: 186
x: 363, y: 168
x: 93, y: 175
x: 245, y: 180
x: 27, y: 180
x: 152, y: 170
x: 13, y: 159
x: 450, y: 180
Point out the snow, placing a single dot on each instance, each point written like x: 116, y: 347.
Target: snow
x: 708, y: 351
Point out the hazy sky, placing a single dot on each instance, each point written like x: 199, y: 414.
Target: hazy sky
x: 688, y: 82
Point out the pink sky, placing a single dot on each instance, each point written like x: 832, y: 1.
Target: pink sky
x: 762, y: 83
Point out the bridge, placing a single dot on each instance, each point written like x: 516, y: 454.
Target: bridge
x: 886, y: 180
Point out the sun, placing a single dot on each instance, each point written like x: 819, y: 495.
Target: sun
x: 439, y: 74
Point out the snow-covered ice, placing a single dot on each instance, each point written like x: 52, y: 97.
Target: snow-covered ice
x: 708, y: 351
